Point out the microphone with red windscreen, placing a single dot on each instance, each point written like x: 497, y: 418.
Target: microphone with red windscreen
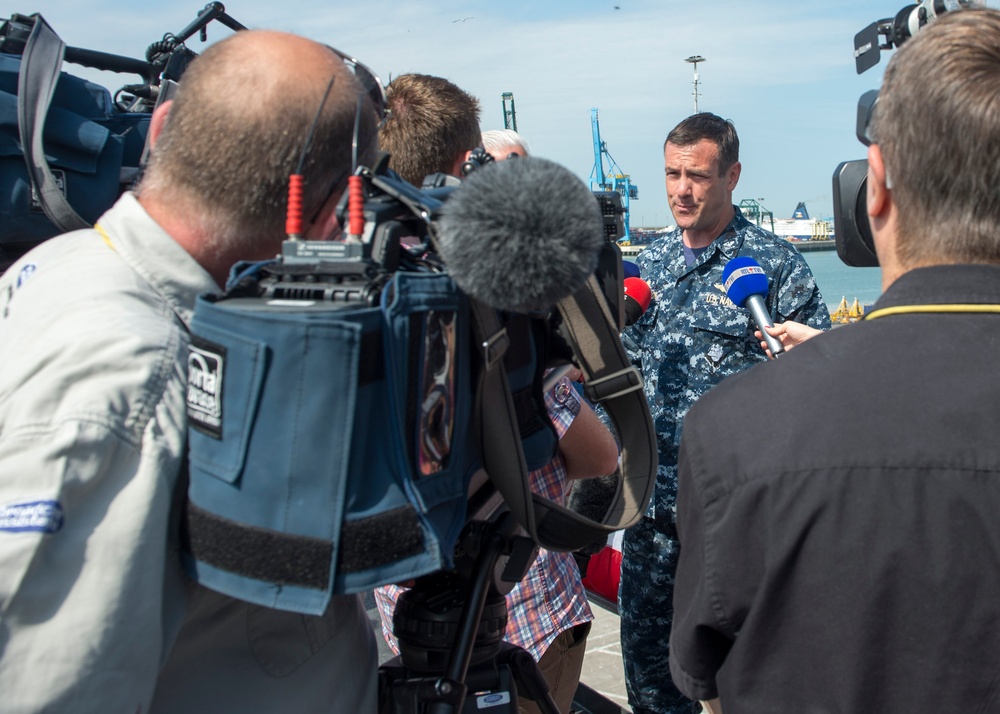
x: 637, y: 299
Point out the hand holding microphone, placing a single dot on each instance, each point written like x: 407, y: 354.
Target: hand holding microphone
x: 746, y: 285
x: 790, y: 333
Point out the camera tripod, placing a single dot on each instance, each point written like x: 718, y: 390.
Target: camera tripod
x: 450, y: 629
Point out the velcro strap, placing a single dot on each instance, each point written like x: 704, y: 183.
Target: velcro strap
x: 286, y: 559
x: 379, y: 540
x: 258, y: 553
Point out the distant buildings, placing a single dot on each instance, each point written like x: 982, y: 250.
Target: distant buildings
x: 800, y: 227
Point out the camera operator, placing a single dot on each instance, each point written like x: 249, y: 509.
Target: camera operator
x: 548, y: 613
x: 852, y: 566
x: 96, y: 614
x: 433, y: 126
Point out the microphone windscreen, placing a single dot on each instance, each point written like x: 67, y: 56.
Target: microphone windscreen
x: 743, y: 277
x: 630, y: 269
x: 637, y: 299
x: 521, y: 235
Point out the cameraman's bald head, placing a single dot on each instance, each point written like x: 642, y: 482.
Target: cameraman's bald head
x: 224, y: 151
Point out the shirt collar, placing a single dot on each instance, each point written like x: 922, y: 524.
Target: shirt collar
x: 728, y: 243
x: 944, y: 284
x: 149, y: 250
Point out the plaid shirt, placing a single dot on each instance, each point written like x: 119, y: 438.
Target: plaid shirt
x: 550, y: 599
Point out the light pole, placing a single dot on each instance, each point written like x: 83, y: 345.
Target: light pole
x: 695, y: 59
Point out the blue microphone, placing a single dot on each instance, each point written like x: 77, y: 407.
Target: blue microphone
x: 746, y: 285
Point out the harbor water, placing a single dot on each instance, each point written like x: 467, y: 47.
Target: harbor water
x: 837, y: 280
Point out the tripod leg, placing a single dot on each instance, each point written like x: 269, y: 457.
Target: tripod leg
x: 528, y: 677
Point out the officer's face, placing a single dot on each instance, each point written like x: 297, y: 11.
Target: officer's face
x: 699, y: 198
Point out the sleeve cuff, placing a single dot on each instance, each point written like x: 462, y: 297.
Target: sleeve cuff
x: 690, y: 686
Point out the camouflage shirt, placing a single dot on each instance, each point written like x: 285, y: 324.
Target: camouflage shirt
x: 692, y: 335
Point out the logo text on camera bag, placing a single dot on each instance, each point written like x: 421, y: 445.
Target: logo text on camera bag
x: 206, y: 362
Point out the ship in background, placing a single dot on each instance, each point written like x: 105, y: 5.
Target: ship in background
x: 804, y: 232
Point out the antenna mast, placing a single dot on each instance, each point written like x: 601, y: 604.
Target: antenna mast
x: 695, y: 59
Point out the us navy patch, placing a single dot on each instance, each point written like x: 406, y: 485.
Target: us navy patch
x: 721, y: 299
x: 44, y: 516
x: 206, y: 367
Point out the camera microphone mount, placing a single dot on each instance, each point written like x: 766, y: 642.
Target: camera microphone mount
x: 907, y: 22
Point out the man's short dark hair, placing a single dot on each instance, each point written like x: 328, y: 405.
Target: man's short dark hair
x: 431, y: 122
x: 706, y: 125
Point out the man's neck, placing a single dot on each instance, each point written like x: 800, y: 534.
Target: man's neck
x: 703, y: 238
x: 177, y: 224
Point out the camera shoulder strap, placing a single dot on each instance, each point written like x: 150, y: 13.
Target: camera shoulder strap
x: 41, y: 63
x: 497, y: 434
x: 610, y: 380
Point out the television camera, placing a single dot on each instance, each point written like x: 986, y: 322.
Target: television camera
x: 433, y: 366
x: 61, y: 176
x: 852, y: 231
x: 165, y: 60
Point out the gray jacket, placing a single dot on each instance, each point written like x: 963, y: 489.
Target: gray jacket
x: 95, y: 612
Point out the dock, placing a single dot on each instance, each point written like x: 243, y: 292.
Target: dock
x: 805, y: 246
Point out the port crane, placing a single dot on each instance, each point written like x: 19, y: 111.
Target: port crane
x: 615, y: 179
x: 509, y: 115
x: 755, y: 212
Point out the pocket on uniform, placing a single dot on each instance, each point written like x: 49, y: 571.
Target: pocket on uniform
x: 718, y: 332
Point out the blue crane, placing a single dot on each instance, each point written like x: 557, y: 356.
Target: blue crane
x: 615, y: 179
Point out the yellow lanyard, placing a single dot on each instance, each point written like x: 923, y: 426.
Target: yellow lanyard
x: 104, y: 236
x: 914, y: 309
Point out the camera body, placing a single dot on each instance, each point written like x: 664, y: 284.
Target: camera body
x: 340, y: 383
x: 77, y: 177
x: 852, y: 231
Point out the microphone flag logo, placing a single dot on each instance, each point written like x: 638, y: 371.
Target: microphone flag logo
x: 742, y: 273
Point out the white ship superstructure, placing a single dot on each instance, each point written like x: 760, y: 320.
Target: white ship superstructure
x: 801, y: 227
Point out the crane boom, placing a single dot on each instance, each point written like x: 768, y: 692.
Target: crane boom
x: 509, y: 115
x: 615, y: 179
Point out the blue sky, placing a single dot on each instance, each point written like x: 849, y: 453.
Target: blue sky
x: 782, y: 71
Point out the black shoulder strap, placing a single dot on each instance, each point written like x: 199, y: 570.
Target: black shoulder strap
x: 610, y: 381
x: 41, y: 62
x: 496, y: 428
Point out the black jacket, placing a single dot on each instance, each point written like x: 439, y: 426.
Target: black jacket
x: 839, y: 515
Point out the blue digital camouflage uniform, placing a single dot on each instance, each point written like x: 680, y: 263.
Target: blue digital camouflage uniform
x: 690, y: 338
